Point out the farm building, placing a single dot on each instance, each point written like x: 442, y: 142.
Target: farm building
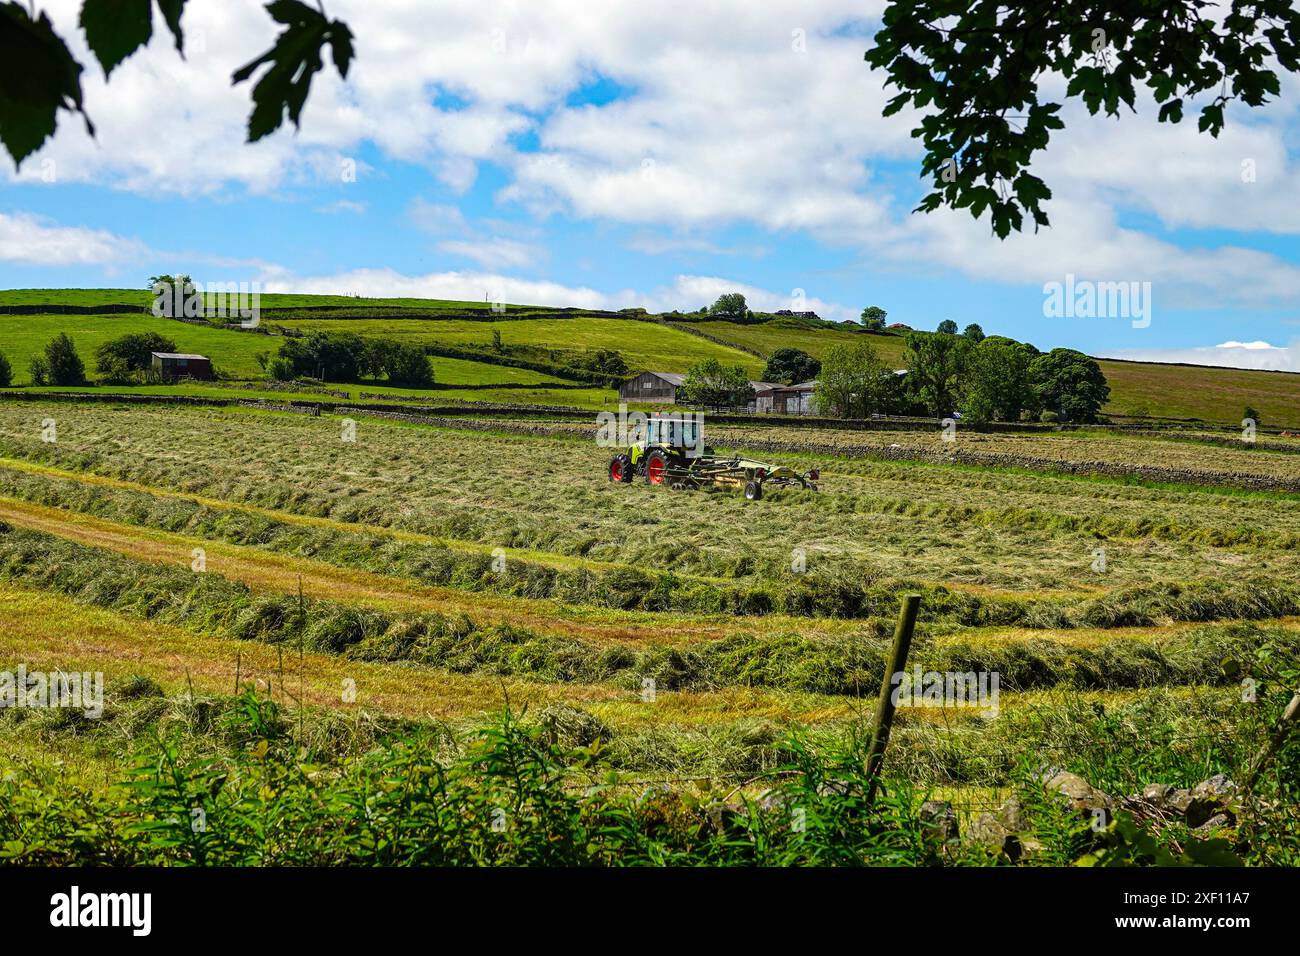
x: 763, y: 392
x: 181, y: 365
x: 651, y: 387
x: 794, y: 399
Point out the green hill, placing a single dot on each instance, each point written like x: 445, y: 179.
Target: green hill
x: 551, y: 339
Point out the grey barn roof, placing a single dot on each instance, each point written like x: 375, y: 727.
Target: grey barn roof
x: 178, y: 355
x: 673, y: 377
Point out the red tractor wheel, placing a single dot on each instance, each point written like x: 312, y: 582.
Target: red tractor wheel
x: 620, y: 469
x: 656, y: 467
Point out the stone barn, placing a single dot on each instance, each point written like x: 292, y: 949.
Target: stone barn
x: 656, y: 387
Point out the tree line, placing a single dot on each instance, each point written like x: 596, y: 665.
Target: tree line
x: 981, y: 378
x: 348, y: 357
x: 977, y: 377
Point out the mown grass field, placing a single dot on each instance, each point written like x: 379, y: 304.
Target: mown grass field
x: 445, y: 574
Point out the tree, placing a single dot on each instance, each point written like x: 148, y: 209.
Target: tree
x: 408, y: 365
x: 873, y: 318
x: 1027, y: 346
x: 731, y: 305
x: 976, y: 70
x: 935, y: 364
x: 58, y: 364
x: 974, y: 333
x: 604, y: 361
x: 39, y: 75
x: 6, y: 372
x: 710, y: 384
x: 339, y: 357
x: 853, y: 383
x: 130, y: 353
x: 185, y: 282
x: 1251, y: 414
x: 995, y: 382
x: 947, y: 327
x: 789, y: 365
x: 1070, y: 384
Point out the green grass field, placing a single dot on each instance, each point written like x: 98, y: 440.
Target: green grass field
x: 269, y: 300
x: 1166, y: 391
x: 643, y: 344
x: 770, y: 336
x: 444, y: 571
x: 23, y: 336
x: 1212, y: 394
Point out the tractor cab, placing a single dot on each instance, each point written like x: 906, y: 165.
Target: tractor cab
x: 677, y: 436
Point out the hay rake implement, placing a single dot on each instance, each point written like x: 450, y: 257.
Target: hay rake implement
x: 673, y: 454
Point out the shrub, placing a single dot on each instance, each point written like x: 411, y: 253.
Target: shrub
x: 6, y: 372
x: 279, y: 369
x: 113, y: 370
x: 132, y: 352
x: 408, y: 365
x: 59, y: 364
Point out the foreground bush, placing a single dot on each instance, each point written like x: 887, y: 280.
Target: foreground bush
x: 516, y: 796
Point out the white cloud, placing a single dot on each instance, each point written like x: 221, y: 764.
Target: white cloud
x: 1251, y: 346
x: 1251, y: 355
x: 35, y: 240
x: 344, y: 205
x: 495, y: 253
x: 461, y: 286
x: 652, y: 244
x: 436, y: 218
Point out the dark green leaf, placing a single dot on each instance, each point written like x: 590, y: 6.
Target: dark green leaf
x: 171, y: 11
x: 294, y: 60
x: 115, y: 29
x: 38, y: 77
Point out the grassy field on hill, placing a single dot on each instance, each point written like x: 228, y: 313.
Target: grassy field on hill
x: 770, y: 336
x: 234, y: 353
x: 1137, y: 388
x: 269, y: 300
x: 644, y: 345
x: 1212, y: 394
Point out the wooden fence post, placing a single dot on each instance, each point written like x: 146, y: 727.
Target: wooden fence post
x: 885, y: 708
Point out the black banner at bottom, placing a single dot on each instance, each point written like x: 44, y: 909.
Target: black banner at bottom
x: 334, y: 906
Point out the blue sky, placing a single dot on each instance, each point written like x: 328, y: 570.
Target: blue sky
x: 615, y: 156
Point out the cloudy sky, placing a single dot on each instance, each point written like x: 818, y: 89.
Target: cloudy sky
x: 615, y: 154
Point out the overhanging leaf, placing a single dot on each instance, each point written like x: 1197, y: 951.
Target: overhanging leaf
x: 38, y: 77
x: 294, y: 60
x: 171, y: 11
x: 115, y: 29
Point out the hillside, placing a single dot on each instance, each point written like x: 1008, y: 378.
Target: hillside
x: 550, y: 339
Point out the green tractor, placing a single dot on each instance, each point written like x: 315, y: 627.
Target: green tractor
x: 673, y: 454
